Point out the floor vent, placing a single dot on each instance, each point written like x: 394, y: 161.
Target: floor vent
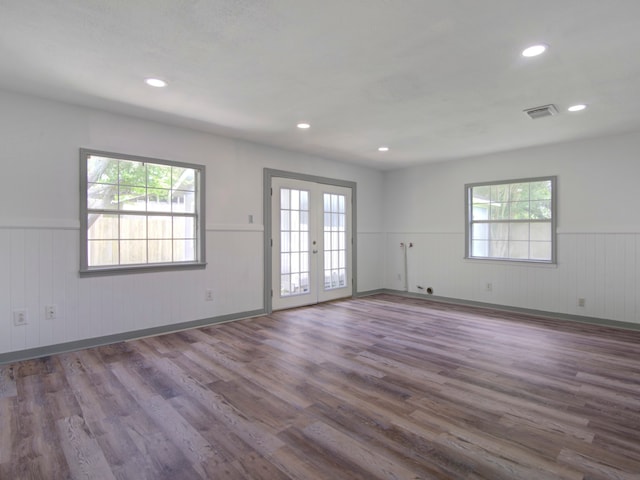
x: 539, y: 112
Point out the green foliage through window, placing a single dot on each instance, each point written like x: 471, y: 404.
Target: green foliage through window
x: 512, y: 220
x: 140, y: 212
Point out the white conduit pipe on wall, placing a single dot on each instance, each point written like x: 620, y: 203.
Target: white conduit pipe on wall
x: 406, y: 267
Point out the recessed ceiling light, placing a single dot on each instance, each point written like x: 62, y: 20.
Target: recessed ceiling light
x: 383, y: 149
x: 303, y: 126
x: 155, y: 82
x: 577, y: 108
x: 534, y: 50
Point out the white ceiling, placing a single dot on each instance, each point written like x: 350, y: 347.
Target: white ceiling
x: 432, y: 79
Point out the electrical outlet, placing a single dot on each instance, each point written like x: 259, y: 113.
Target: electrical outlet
x: 20, y: 317
x: 208, y: 295
x: 489, y: 287
x: 50, y: 312
x: 581, y: 302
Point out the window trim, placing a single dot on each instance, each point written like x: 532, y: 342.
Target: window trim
x: 200, y: 176
x: 468, y: 205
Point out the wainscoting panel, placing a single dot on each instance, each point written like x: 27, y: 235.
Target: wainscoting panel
x: 39, y: 267
x: 371, y: 265
x: 601, y: 268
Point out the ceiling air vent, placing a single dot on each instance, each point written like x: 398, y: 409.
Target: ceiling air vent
x: 539, y: 112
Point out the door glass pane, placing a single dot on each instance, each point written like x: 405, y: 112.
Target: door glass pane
x: 304, y: 221
x: 334, y: 203
x: 295, y: 220
x: 304, y: 282
x: 285, y: 285
x: 295, y: 284
x: 285, y: 266
x: 284, y: 242
x: 334, y: 241
x: 294, y: 242
x: 284, y: 199
x: 295, y: 262
x: 304, y: 200
x: 284, y: 220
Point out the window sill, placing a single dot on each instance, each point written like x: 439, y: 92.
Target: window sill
x: 511, y: 262
x: 132, y: 269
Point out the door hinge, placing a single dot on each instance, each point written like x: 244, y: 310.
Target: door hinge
x: 272, y: 242
x: 272, y: 192
x: 272, y: 293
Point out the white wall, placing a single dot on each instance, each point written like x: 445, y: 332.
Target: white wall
x: 598, y: 229
x: 39, y: 226
x: 598, y: 226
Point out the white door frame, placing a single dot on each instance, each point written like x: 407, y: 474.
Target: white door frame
x: 268, y: 175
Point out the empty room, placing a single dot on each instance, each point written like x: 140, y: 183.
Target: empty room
x: 284, y: 239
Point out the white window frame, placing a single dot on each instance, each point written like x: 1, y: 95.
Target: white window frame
x: 469, y: 220
x: 120, y: 268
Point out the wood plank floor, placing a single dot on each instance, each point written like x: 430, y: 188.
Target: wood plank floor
x: 375, y: 388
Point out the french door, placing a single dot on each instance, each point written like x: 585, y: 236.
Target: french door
x: 312, y: 242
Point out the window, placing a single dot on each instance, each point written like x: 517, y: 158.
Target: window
x: 139, y: 213
x: 513, y: 220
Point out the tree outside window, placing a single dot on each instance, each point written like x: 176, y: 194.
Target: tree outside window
x: 513, y: 220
